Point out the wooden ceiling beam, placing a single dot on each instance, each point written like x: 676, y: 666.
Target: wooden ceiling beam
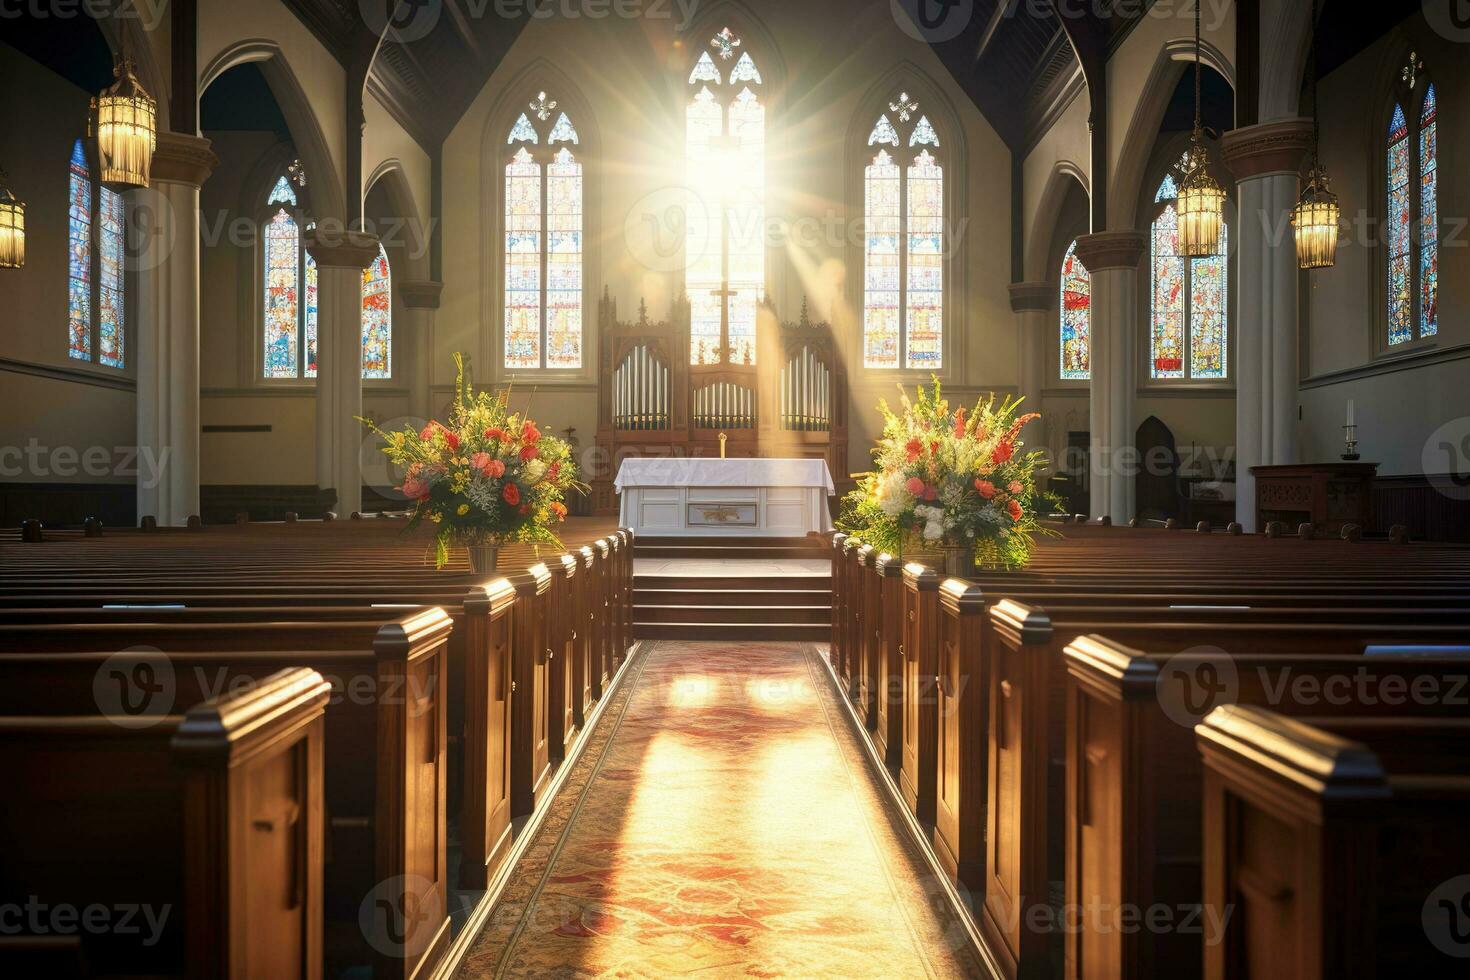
x: 1003, y: 10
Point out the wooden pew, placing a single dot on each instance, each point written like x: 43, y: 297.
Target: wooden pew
x: 867, y: 608
x: 920, y: 653
x: 203, y: 831
x: 485, y: 834
x: 887, y: 627
x: 838, y: 643
x: 1132, y: 820
x: 530, y: 745
x: 385, y: 772
x: 1339, y: 845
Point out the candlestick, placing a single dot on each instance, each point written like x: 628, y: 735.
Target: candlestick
x: 1350, y: 437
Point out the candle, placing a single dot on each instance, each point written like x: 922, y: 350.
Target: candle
x: 1350, y: 412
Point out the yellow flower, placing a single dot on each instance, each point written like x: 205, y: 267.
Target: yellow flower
x: 464, y: 510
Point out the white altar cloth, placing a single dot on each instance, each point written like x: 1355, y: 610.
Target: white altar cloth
x: 725, y: 497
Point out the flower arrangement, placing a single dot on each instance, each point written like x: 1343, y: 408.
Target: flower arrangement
x: 488, y: 477
x: 956, y: 480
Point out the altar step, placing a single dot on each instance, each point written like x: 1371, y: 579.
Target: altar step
x: 730, y: 549
x: 791, y: 608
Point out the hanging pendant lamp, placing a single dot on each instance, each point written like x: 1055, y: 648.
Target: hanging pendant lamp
x: 12, y: 228
x: 125, y: 124
x: 1201, y: 198
x: 1318, y: 216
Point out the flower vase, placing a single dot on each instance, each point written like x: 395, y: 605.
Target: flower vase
x: 484, y: 558
x: 959, y: 560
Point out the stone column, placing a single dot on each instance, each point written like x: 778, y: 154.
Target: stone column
x: 1111, y: 257
x: 340, y: 264
x: 1032, y: 304
x: 418, y: 299
x: 166, y: 335
x: 1266, y: 160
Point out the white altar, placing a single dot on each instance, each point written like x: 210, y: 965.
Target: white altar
x: 725, y: 497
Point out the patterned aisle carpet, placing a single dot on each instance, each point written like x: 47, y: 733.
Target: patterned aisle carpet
x: 723, y: 822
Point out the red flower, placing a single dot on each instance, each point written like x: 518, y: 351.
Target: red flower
x: 553, y: 471
x: 1002, y: 454
x: 528, y: 453
x: 525, y: 509
x: 1015, y: 488
x: 495, y: 435
x: 1014, y: 509
x: 560, y: 510
x: 914, y: 449
x: 512, y: 494
x: 959, y: 424
x: 985, y: 488
x: 531, y: 434
x: 930, y: 494
x: 915, y: 486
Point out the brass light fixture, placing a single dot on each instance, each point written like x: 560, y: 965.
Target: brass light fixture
x: 1201, y: 198
x: 12, y: 228
x: 125, y: 123
x: 1317, y: 216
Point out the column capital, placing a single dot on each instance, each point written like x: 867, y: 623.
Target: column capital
x: 1106, y: 250
x: 420, y: 294
x: 1276, y: 147
x: 349, y: 250
x: 183, y: 159
x: 1032, y: 297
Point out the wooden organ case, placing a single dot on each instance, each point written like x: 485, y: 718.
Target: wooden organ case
x: 790, y: 404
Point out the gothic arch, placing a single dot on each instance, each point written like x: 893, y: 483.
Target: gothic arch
x: 906, y: 76
x: 1174, y: 58
x: 328, y: 200
x: 1065, y: 175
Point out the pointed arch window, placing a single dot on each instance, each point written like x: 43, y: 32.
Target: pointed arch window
x: 543, y: 275
x: 289, y: 286
x: 1413, y: 218
x: 903, y: 261
x: 377, y: 318
x: 1188, y: 315
x: 96, y: 273
x: 724, y: 244
x: 1076, y: 318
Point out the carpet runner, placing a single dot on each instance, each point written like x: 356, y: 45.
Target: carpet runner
x: 723, y: 821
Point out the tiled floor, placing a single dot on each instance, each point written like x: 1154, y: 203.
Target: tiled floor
x: 727, y: 567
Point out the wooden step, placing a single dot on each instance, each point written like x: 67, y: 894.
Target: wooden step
x: 733, y: 583
x: 739, y: 632
x: 777, y: 595
x: 817, y: 545
x: 782, y: 615
x: 727, y: 552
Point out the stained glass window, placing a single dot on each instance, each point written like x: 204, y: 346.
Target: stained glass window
x: 544, y: 244
x: 312, y: 281
x: 377, y: 318
x: 1400, y: 300
x: 1207, y: 312
x: 903, y: 207
x: 1428, y: 217
x: 111, y: 307
x: 1076, y: 318
x: 282, y: 281
x: 96, y: 307
x: 564, y: 261
x: 1412, y: 232
x: 523, y: 261
x: 881, y: 206
x: 1189, y: 322
x: 79, y: 263
x: 724, y: 232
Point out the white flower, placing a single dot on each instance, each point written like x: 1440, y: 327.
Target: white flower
x: 534, y: 471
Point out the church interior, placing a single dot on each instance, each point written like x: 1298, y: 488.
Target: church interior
x: 741, y: 488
